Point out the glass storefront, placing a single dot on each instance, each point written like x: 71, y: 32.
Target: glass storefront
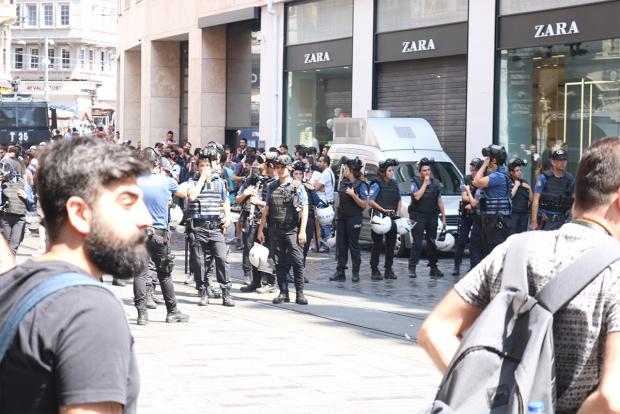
x: 558, y: 96
x: 314, y: 99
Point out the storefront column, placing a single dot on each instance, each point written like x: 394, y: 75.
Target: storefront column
x: 130, y: 95
x: 480, y: 76
x: 206, y: 116
x: 363, y: 53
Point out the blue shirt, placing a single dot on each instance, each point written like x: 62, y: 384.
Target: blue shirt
x: 158, y: 190
x: 415, y: 188
x: 301, y: 192
x: 374, y: 191
x: 500, y: 186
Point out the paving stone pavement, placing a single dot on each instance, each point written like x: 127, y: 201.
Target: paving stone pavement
x: 351, y: 350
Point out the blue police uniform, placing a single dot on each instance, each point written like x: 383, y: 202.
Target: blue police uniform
x: 387, y: 195
x: 495, y: 210
x: 425, y: 213
x: 467, y: 219
x: 556, y: 199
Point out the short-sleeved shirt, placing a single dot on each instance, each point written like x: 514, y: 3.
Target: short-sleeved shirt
x: 581, y: 327
x: 374, y: 191
x: 415, y: 188
x: 327, y: 179
x: 75, y: 347
x: 158, y: 190
x: 301, y: 192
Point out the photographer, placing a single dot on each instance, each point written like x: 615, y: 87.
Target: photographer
x: 384, y: 198
x: 426, y: 204
x: 495, y: 196
x: 521, y: 196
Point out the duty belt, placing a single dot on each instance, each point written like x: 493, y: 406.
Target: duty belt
x: 207, y: 224
x: 283, y: 226
x: 553, y: 217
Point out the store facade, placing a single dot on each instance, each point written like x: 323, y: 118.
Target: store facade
x: 421, y: 66
x: 317, y: 69
x: 558, y: 80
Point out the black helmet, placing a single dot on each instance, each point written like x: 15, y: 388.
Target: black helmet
x: 424, y: 162
x: 390, y: 162
x: 353, y: 163
x: 476, y: 162
x: 300, y: 166
x: 516, y: 162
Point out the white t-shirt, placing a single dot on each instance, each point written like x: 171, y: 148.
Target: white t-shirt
x: 328, y: 180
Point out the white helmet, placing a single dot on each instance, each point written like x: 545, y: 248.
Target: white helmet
x: 446, y: 244
x: 403, y: 225
x: 325, y: 214
x: 259, y: 258
x: 380, y: 225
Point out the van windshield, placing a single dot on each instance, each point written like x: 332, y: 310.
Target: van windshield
x: 445, y: 172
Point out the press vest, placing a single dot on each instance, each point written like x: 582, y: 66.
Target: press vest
x: 346, y: 206
x: 556, y: 196
x: 209, y: 205
x: 389, y: 194
x: 284, y: 203
x: 427, y: 204
x: 521, y: 201
x: 16, y: 204
x: 497, y: 206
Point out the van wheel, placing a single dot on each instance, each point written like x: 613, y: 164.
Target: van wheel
x: 400, y: 249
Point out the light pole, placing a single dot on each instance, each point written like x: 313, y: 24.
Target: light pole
x: 46, y: 66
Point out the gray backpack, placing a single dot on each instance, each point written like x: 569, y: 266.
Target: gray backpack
x: 506, y: 359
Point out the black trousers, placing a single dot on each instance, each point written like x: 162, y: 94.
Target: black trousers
x: 159, y: 254
x: 519, y: 222
x: 495, y: 230
x: 377, y: 245
x: 13, y: 228
x: 347, y: 240
x: 287, y: 253
x: 425, y: 228
x: 209, y: 245
x: 466, y: 222
x: 475, y: 242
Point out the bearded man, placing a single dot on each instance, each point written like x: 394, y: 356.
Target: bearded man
x: 73, y: 351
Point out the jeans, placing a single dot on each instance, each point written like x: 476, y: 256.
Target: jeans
x: 347, y: 239
x: 13, y: 228
x: 377, y: 244
x: 283, y: 243
x: 207, y: 244
x: 425, y: 228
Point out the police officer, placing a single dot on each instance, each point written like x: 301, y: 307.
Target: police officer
x: 553, y: 194
x: 352, y: 200
x: 494, y: 192
x: 426, y: 204
x: 521, y: 196
x: 210, y: 212
x: 384, y: 198
x: 158, y: 190
x: 286, y: 212
x: 17, y: 198
x: 467, y: 216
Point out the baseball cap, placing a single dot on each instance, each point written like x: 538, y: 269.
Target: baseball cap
x: 559, y: 154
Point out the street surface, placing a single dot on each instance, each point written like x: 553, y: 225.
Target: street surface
x: 351, y: 350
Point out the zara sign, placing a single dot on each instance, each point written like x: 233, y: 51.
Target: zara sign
x: 556, y: 29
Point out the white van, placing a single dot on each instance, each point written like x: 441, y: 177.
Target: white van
x: 408, y: 140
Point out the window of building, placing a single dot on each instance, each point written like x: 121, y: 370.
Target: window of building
x: 65, y: 56
x: 102, y: 60
x: 48, y: 15
x: 18, y: 15
x: 91, y: 59
x: 51, y: 55
x: 31, y: 15
x: 319, y: 20
x: 525, y: 6
x: 82, y: 58
x: 393, y: 15
x: 19, y: 58
x: 64, y: 14
x: 34, y: 58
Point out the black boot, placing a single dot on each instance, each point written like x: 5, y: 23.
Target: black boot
x: 435, y: 272
x: 214, y: 293
x: 150, y: 303
x: 338, y: 276
x: 389, y: 274
x: 227, y: 300
x: 248, y: 288
x: 412, y: 272
x: 176, y: 316
x: 118, y: 282
x: 204, y: 298
x: 300, y: 298
x: 375, y: 274
x: 143, y: 317
x: 457, y: 269
x: 282, y: 297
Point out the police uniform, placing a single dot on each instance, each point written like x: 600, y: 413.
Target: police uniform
x: 348, y: 227
x: 285, y: 202
x: 15, y: 209
x: 556, y: 199
x: 495, y: 210
x: 387, y: 195
x: 207, y: 212
x: 520, y: 209
x: 425, y: 213
x: 467, y: 216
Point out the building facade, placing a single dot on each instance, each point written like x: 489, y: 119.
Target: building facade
x: 529, y: 75
x: 79, y: 37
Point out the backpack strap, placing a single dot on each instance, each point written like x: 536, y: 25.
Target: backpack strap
x: 514, y: 272
x: 37, y: 294
x: 571, y: 281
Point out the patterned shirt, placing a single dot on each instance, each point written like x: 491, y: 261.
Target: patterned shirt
x: 581, y: 327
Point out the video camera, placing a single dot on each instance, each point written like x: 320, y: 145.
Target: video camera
x: 516, y: 162
x: 495, y: 152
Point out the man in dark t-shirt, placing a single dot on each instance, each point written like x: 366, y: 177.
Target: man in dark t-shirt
x: 73, y: 352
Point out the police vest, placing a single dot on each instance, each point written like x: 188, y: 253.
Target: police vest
x: 15, y: 204
x: 346, y: 206
x: 389, y: 194
x: 283, y: 208
x: 468, y: 180
x: 427, y: 204
x: 209, y: 204
x: 497, y: 206
x: 521, y: 201
x: 557, y: 195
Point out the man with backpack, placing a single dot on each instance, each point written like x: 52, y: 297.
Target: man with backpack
x: 65, y: 345
x: 539, y: 318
